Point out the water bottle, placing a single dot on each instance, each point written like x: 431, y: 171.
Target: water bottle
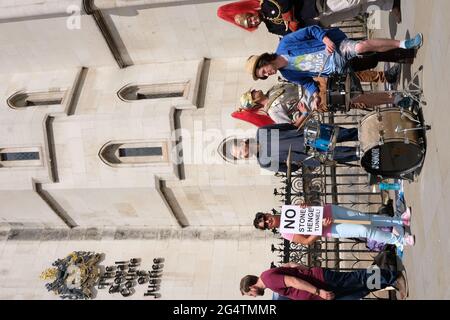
x: 389, y: 186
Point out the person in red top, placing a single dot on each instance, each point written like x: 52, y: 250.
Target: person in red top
x: 298, y: 282
x: 282, y: 17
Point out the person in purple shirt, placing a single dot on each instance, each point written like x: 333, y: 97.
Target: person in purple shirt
x: 297, y: 282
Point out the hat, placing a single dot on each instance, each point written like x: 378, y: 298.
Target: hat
x: 250, y: 65
x: 242, y: 19
x: 246, y: 101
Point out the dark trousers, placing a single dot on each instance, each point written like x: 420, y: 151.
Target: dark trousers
x: 346, y: 154
x: 353, y: 285
x: 370, y: 61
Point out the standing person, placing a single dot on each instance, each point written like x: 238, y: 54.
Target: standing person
x: 272, y: 144
x: 283, y: 103
x: 313, y: 51
x: 289, y: 103
x: 339, y: 10
x: 267, y: 221
x: 298, y: 282
x: 282, y: 17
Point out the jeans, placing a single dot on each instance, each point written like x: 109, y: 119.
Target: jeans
x: 346, y: 154
x: 353, y: 285
x: 347, y: 230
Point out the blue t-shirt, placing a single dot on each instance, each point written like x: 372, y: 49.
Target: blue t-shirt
x: 317, y: 62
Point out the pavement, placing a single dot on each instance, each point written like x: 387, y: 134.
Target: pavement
x: 427, y: 263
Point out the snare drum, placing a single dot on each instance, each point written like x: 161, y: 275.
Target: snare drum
x: 320, y: 137
x: 341, y: 88
x: 389, y: 147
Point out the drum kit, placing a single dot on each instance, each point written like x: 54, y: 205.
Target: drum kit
x: 392, y: 140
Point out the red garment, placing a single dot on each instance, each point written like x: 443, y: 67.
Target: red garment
x: 259, y: 120
x: 274, y: 280
x: 228, y: 11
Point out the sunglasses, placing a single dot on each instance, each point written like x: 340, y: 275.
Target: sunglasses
x: 263, y: 220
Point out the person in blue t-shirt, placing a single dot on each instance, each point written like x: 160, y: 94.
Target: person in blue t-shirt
x: 311, y: 52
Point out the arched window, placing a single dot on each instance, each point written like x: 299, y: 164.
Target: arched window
x: 22, y: 99
x: 115, y: 153
x: 20, y: 157
x: 134, y: 92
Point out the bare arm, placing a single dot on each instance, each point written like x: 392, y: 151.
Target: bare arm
x: 306, y: 240
x: 299, y: 284
x: 294, y: 265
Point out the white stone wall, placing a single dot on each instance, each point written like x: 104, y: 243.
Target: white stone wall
x: 47, y: 44
x: 92, y: 193
x: 205, y: 268
x: 185, y: 32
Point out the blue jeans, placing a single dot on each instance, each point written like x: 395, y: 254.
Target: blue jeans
x: 347, y: 230
x: 353, y: 285
x: 346, y: 154
x: 345, y: 51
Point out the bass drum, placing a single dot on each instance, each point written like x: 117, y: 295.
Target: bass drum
x: 387, y: 149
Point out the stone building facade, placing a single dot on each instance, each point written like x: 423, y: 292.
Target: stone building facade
x: 111, y: 115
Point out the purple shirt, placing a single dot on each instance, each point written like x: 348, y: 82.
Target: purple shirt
x: 274, y: 280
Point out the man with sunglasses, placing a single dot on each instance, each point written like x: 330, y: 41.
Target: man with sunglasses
x: 267, y: 221
x: 272, y: 144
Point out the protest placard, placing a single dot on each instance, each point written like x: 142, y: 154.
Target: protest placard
x: 298, y: 220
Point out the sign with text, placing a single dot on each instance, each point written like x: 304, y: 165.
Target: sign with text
x: 298, y: 220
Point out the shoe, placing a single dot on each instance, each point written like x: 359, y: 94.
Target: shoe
x: 393, y: 74
x: 406, y: 217
x: 409, y: 240
x: 401, y: 286
x: 414, y: 43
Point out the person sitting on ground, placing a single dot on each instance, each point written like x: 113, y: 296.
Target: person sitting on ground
x: 268, y: 221
x: 298, y: 282
x: 313, y: 52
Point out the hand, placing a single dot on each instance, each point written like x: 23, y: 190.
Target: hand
x: 327, y: 295
x: 293, y: 25
x: 303, y: 205
x: 327, y: 222
x: 316, y: 102
x: 331, y: 47
x: 302, y: 107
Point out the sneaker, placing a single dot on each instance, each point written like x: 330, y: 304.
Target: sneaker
x: 401, y: 286
x: 406, y: 217
x: 393, y: 74
x: 414, y: 43
x: 409, y: 240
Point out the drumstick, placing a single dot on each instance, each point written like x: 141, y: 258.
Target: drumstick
x: 363, y: 222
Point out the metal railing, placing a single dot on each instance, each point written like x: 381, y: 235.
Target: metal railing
x: 330, y: 184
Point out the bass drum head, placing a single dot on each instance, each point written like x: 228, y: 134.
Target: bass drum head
x: 392, y: 159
